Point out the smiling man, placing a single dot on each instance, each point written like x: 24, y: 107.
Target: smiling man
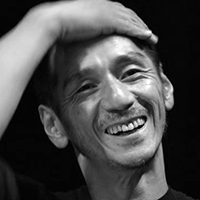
x: 112, y: 99
x: 103, y: 89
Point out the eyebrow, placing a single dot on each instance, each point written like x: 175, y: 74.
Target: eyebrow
x: 131, y: 57
x: 77, y: 75
x: 71, y: 77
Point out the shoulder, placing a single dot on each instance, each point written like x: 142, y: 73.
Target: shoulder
x: 8, y: 186
x: 78, y: 194
x: 19, y: 187
x: 180, y: 196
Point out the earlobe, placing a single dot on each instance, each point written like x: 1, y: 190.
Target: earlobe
x: 53, y: 127
x: 168, y: 92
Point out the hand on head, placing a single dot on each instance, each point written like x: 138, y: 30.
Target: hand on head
x: 85, y: 19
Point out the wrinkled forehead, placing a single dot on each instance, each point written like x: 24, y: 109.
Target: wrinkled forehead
x: 77, y: 56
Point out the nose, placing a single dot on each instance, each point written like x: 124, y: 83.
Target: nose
x: 117, y: 97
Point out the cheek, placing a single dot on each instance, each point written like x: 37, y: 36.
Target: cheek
x: 83, y: 112
x: 152, y: 93
x: 86, y: 108
x: 152, y: 88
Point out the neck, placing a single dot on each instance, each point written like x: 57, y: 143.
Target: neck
x: 146, y: 182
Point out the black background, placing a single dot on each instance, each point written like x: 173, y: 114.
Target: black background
x: 27, y: 149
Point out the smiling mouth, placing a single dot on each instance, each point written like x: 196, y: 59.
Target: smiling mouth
x: 128, y: 128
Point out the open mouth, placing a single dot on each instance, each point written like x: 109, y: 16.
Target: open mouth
x: 127, y: 128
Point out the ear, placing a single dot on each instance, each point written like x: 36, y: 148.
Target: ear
x: 53, y: 127
x: 168, y: 91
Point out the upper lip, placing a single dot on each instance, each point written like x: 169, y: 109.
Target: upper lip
x: 121, y: 122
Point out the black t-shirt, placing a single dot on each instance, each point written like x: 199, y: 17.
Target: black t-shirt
x: 19, y: 187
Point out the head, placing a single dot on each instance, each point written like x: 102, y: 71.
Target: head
x: 109, y: 99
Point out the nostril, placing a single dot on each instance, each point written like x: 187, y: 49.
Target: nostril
x: 117, y: 99
x: 128, y: 105
x: 120, y: 108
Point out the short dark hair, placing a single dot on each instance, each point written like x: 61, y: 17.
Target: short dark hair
x: 46, y: 80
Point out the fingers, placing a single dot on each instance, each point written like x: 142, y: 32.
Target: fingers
x: 130, y: 14
x: 134, y: 26
x: 137, y: 19
x: 144, y: 35
x: 153, y: 39
x: 149, y: 37
x: 131, y: 28
x: 86, y: 19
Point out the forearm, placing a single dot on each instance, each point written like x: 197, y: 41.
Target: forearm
x: 20, y: 52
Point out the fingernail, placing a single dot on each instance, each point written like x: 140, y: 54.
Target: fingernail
x: 149, y: 32
x: 154, y: 38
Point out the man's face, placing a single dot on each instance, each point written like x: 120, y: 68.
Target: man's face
x: 112, y: 103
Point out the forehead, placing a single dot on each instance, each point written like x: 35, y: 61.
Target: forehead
x: 94, y: 54
x: 104, y: 51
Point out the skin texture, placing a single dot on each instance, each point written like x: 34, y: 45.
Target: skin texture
x: 116, y: 82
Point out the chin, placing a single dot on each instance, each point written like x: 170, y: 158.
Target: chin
x: 136, y: 158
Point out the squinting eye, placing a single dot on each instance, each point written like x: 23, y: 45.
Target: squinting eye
x: 86, y: 87
x: 130, y: 73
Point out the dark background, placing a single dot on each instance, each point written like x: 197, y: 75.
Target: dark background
x: 27, y: 149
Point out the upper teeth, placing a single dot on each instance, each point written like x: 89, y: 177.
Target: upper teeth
x: 125, y: 127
